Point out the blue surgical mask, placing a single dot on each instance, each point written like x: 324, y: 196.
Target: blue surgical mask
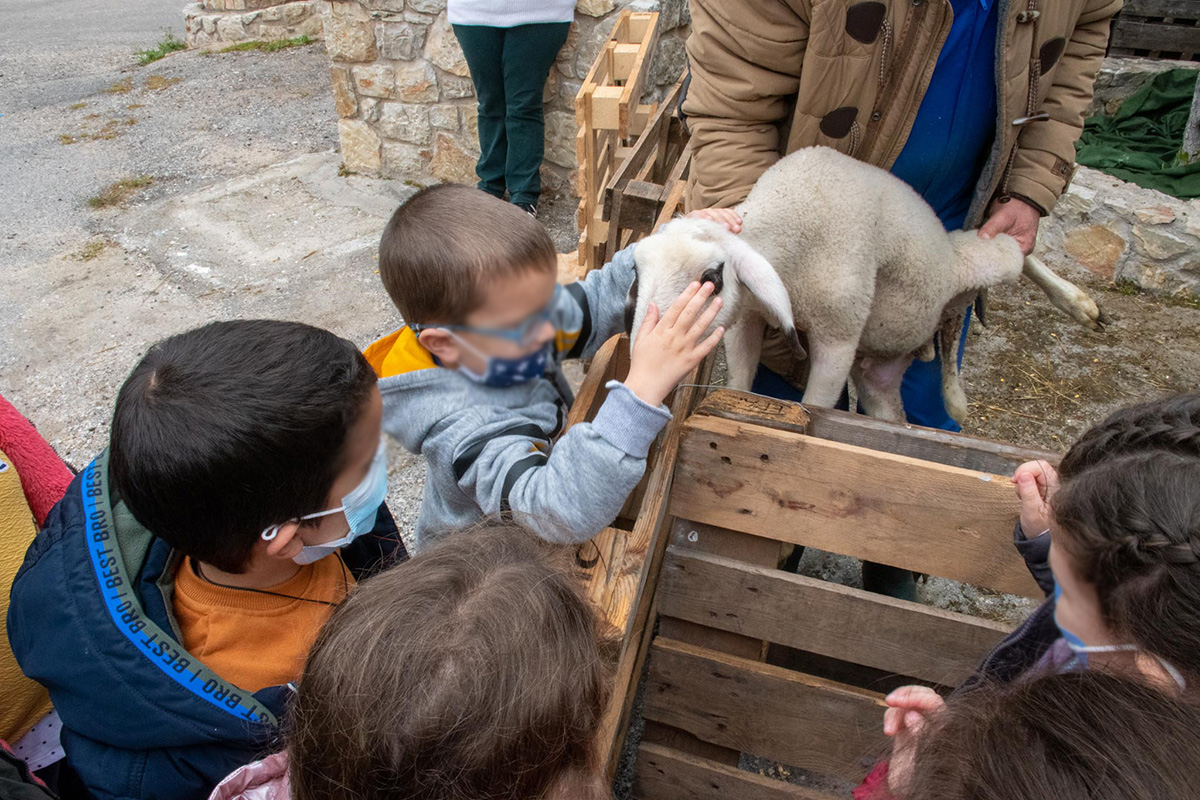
x: 501, y: 373
x: 1081, y: 649
x: 359, y: 507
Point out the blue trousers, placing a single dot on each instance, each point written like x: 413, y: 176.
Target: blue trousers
x: 921, y: 390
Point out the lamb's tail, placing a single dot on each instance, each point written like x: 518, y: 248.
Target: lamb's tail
x: 981, y: 263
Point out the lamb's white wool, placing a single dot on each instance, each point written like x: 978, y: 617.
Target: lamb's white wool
x: 871, y: 276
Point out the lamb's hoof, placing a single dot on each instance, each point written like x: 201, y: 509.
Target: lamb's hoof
x: 956, y: 402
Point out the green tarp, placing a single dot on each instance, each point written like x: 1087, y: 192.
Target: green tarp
x: 1141, y: 142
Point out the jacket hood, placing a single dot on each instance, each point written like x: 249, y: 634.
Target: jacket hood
x: 90, y: 619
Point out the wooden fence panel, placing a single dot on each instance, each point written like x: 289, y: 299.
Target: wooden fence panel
x: 768, y: 711
x: 821, y: 617
x: 876, y: 506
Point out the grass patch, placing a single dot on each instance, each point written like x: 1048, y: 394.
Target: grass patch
x: 133, y: 106
x: 110, y: 130
x: 77, y: 106
x: 118, y: 192
x: 92, y: 249
x: 344, y: 171
x: 157, y: 83
x: 269, y: 47
x: 1126, y: 287
x: 169, y: 44
x: 123, y: 86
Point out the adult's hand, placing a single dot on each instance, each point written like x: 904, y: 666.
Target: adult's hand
x: 1016, y: 218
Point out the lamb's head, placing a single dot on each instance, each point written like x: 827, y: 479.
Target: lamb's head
x: 686, y: 250
x: 981, y: 263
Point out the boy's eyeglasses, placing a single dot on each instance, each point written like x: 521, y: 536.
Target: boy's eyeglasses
x: 524, y: 333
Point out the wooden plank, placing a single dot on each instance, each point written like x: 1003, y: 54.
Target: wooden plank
x: 632, y: 92
x: 662, y: 773
x: 880, y: 507
x: 1176, y: 9
x: 624, y: 58
x: 643, y: 557
x: 927, y: 444
x: 643, y: 151
x: 672, y: 206
x: 836, y: 621
x: 1140, y: 35
x: 606, y: 107
x: 768, y: 711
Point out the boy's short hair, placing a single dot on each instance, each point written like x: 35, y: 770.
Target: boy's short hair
x: 225, y: 430
x: 441, y: 248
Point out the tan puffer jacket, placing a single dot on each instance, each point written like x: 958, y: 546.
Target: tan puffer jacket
x: 772, y: 76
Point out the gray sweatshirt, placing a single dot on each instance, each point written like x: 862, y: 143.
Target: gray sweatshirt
x: 491, y: 452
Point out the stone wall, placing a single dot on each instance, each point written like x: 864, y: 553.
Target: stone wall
x: 212, y: 22
x: 1126, y: 234
x: 406, y: 107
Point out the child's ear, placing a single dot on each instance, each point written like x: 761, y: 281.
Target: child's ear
x: 440, y: 343
x: 286, y: 543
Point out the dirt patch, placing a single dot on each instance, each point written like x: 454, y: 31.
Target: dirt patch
x: 1035, y: 378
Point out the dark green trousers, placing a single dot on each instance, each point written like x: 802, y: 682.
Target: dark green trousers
x: 509, y: 68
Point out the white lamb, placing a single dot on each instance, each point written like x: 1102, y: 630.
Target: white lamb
x: 861, y: 265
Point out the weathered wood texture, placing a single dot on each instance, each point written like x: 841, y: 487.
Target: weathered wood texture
x: 876, y: 506
x: 825, y: 618
x: 1156, y: 28
x: 765, y: 710
x: 927, y: 444
x: 662, y: 773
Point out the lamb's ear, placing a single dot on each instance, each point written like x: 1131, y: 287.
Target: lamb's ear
x: 757, y: 275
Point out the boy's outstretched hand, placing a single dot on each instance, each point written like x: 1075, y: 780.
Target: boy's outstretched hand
x: 725, y: 216
x: 667, y: 349
x: 1036, y: 481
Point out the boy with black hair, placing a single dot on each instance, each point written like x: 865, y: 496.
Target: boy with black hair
x: 472, y: 381
x: 177, y: 588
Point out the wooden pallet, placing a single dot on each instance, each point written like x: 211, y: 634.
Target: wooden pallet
x: 1157, y: 29
x: 652, y: 175
x: 609, y: 113
x: 752, y: 660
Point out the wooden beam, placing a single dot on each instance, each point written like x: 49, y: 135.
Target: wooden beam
x: 644, y: 551
x: 927, y: 444
x: 835, y: 621
x: 1139, y: 35
x: 1175, y: 9
x: 662, y: 773
x: 764, y: 710
x: 875, y: 506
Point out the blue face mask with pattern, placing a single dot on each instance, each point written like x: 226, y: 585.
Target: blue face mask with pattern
x: 500, y: 373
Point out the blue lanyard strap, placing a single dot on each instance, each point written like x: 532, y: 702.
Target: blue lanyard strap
x: 126, y: 612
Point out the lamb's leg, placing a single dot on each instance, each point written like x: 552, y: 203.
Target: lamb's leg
x: 949, y: 334
x: 743, y: 348
x: 1064, y: 295
x: 878, y: 383
x: 829, y: 367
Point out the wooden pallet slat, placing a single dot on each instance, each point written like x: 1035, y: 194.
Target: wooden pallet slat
x: 895, y: 510
x: 663, y: 773
x: 848, y: 624
x: 768, y: 711
x: 1132, y: 34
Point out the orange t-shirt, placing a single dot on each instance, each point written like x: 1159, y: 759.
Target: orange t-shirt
x: 256, y: 640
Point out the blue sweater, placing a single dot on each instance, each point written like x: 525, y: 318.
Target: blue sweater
x: 952, y: 134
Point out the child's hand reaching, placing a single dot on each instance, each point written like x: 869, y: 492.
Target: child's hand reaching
x: 909, y: 708
x: 726, y: 216
x: 667, y: 349
x: 1035, y: 482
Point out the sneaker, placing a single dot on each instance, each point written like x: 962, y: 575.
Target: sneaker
x: 529, y: 208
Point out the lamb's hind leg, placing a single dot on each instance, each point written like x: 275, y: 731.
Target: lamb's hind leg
x: 1064, y: 295
x: 878, y: 383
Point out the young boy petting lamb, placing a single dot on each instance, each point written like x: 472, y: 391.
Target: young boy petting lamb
x: 473, y: 380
